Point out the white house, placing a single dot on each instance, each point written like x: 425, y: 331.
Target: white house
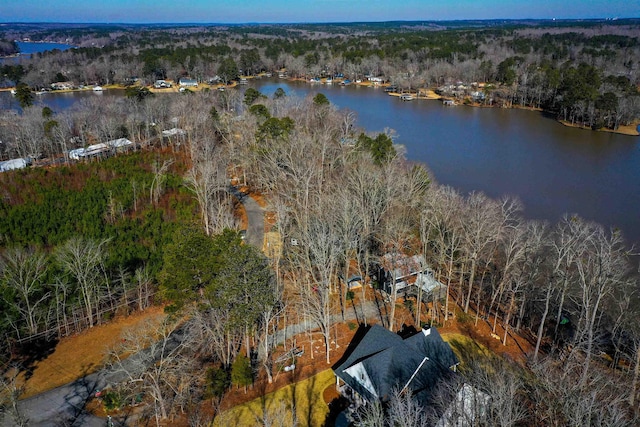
x: 120, y: 144
x: 88, y: 152
x: 468, y: 408
x: 13, y: 164
x: 161, y: 84
x: 62, y: 85
x: 173, y: 132
x: 186, y: 82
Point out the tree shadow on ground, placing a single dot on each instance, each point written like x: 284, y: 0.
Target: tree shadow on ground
x: 81, y: 392
x: 32, y: 352
x: 336, y: 406
x: 382, y: 308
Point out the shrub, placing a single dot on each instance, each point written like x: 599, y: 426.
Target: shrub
x: 112, y: 400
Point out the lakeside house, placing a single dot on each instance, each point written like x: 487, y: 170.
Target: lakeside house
x: 378, y: 362
x: 161, y: 84
x: 410, y: 273
x: 62, y: 86
x: 187, y: 82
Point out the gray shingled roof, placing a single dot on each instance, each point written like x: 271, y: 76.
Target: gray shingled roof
x: 390, y: 362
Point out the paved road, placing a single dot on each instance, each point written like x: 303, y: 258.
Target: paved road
x: 370, y: 309
x: 64, y: 405
x: 255, y: 217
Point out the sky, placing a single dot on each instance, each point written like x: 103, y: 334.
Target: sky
x: 289, y: 11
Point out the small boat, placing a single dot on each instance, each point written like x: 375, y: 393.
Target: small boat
x: 406, y: 97
x: 329, y: 81
x: 345, y: 82
x: 13, y: 92
x: 97, y: 89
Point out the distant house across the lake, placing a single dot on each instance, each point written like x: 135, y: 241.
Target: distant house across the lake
x: 186, y: 82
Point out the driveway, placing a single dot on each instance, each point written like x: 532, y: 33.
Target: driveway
x: 255, y: 217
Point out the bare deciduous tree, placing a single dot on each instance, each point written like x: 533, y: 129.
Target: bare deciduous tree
x: 22, y: 272
x: 83, y: 260
x: 150, y: 360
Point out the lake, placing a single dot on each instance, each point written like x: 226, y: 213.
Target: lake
x: 551, y: 168
x: 28, y: 48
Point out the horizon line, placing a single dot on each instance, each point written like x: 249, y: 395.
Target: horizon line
x: 4, y: 23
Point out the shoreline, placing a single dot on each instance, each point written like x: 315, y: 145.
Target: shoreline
x: 629, y: 130
x: 429, y: 94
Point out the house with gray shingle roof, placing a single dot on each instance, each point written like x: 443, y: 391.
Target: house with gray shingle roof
x: 382, y: 361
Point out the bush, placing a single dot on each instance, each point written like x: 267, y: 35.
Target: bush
x: 218, y: 382
x: 112, y: 400
x: 464, y: 317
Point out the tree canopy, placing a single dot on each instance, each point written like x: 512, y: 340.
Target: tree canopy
x: 380, y: 147
x: 220, y: 272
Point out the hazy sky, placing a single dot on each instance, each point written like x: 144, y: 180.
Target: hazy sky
x: 242, y: 11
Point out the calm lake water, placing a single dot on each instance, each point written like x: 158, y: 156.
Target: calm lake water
x: 27, y: 48
x: 551, y: 168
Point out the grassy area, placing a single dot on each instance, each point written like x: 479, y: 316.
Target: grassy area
x: 77, y: 356
x: 466, y: 348
x: 305, y: 396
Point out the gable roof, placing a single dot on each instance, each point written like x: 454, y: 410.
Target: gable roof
x: 382, y: 361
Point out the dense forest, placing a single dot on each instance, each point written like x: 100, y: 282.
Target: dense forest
x: 82, y: 240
